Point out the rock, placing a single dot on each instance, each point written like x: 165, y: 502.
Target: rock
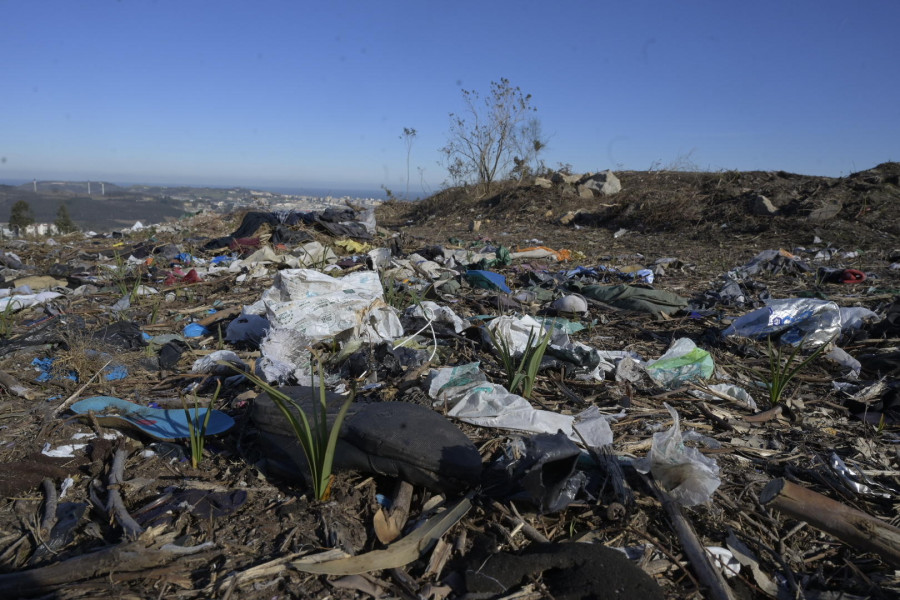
x: 567, y: 218
x: 585, y: 191
x: 563, y: 178
x: 826, y: 212
x: 543, y: 182
x: 606, y: 182
x: 760, y: 205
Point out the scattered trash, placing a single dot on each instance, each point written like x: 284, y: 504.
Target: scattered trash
x: 487, y: 280
x: 391, y: 438
x: 734, y: 393
x: 193, y: 330
x: 401, y: 320
x: 628, y: 297
x: 540, y: 470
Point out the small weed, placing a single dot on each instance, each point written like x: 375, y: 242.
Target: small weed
x: 198, y: 430
x: 782, y: 370
x: 154, y: 310
x: 317, y: 441
x: 7, y: 318
x: 521, y: 373
x: 123, y: 282
x: 399, y: 295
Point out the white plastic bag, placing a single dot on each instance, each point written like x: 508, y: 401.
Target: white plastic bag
x: 688, y: 476
x: 473, y: 399
x: 320, y: 306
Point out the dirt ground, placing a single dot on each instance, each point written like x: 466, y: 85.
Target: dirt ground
x: 245, y: 526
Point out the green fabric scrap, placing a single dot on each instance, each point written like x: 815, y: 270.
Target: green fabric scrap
x: 629, y: 297
x: 450, y: 286
x: 501, y: 258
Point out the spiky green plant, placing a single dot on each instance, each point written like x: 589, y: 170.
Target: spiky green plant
x: 315, y: 437
x: 521, y: 373
x: 401, y: 296
x: 7, y: 318
x: 196, y: 429
x: 782, y: 370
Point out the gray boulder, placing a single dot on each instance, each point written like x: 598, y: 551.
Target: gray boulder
x: 586, y: 191
x: 760, y: 205
x: 605, y: 183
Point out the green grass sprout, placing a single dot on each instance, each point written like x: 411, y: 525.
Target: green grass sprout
x: 196, y: 429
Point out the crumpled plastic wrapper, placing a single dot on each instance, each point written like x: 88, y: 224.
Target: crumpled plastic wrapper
x: 688, y: 476
x: 285, y: 358
x: 682, y: 362
x: 810, y: 321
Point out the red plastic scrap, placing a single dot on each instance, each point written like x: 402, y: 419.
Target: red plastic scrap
x: 852, y: 276
x: 178, y: 276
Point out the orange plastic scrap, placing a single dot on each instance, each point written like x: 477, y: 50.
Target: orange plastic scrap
x: 560, y: 255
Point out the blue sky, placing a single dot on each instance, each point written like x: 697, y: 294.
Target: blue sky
x: 294, y: 94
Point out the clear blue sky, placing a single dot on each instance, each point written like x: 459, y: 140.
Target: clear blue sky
x: 293, y: 93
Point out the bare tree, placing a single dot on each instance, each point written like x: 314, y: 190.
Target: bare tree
x: 531, y: 142
x: 484, y: 139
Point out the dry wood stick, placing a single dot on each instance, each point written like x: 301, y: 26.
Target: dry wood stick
x: 115, y: 505
x: 71, y: 399
x: 50, y: 503
x: 15, y: 387
x: 139, y: 555
x: 693, y: 549
x: 851, y: 526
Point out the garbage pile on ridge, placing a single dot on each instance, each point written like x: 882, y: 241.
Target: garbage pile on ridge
x: 522, y: 417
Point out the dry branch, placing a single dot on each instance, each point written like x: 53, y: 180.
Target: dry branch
x: 851, y: 526
x: 147, y: 552
x: 115, y: 505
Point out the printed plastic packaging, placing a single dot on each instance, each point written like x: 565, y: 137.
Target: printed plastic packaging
x: 682, y: 362
x: 795, y: 319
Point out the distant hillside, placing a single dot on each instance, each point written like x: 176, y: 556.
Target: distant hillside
x: 118, y: 208
x: 72, y: 187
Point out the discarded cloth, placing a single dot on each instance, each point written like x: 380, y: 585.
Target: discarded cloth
x: 570, y: 571
x: 539, y: 469
x: 628, y: 297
